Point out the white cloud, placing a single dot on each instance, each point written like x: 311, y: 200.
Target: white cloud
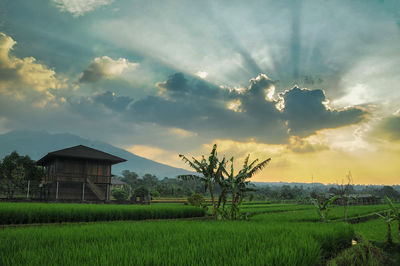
x: 23, y: 78
x: 79, y: 7
x: 201, y: 74
x: 106, y: 67
x: 182, y: 133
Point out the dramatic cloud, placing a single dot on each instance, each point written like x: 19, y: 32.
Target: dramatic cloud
x: 254, y: 112
x: 307, y: 111
x: 106, y: 68
x: 25, y: 78
x: 80, y: 7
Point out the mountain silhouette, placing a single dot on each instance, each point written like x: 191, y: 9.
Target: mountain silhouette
x: 36, y: 144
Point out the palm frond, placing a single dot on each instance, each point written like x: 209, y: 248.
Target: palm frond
x: 201, y: 165
x: 191, y: 164
x: 258, y: 167
x: 246, y: 161
x: 391, y: 205
x: 252, y: 163
x: 330, y: 201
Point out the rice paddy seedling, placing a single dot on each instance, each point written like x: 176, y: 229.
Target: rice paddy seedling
x: 374, y: 230
x: 171, y: 243
x: 27, y: 213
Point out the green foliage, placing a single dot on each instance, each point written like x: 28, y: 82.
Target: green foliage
x: 388, y: 218
x: 236, y: 186
x: 363, y: 253
x: 394, y: 209
x: 14, y: 166
x: 25, y: 213
x: 154, y: 193
x: 15, y: 170
x: 141, y: 191
x: 211, y: 171
x: 322, y: 207
x: 120, y: 194
x: 173, y: 243
x: 196, y: 199
x: 130, y: 178
x: 396, y: 213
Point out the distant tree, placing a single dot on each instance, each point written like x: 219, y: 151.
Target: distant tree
x: 130, y: 178
x: 390, y: 192
x: 154, y: 193
x: 286, y: 192
x: 150, y: 180
x: 141, y: 192
x: 14, y: 169
x: 14, y: 160
x: 333, y: 190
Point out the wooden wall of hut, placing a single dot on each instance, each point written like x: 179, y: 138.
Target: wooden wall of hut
x: 79, y: 171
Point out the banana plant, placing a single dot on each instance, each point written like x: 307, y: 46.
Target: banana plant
x: 395, y: 213
x: 211, y: 170
x: 239, y: 185
x: 323, y: 207
x: 388, y: 218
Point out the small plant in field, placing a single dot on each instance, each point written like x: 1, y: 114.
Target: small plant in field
x: 396, y: 214
x: 388, y: 218
x: 344, y: 193
x: 323, y: 207
x: 196, y: 199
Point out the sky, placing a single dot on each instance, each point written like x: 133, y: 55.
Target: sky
x: 311, y: 84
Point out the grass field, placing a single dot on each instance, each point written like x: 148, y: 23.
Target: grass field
x: 25, y: 213
x: 281, y: 234
x: 173, y: 243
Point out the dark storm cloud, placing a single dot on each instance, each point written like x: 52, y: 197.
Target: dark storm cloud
x: 306, y: 112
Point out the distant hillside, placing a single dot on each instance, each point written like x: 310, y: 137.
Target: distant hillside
x: 37, y: 144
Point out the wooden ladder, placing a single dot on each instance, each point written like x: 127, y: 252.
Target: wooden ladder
x: 96, y: 190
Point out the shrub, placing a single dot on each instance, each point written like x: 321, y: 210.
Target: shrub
x: 363, y: 253
x: 141, y: 191
x: 120, y: 194
x: 196, y: 199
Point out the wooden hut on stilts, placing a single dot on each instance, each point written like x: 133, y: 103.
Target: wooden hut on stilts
x: 78, y: 173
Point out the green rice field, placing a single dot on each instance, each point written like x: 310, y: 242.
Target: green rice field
x: 280, y: 234
x: 27, y: 213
